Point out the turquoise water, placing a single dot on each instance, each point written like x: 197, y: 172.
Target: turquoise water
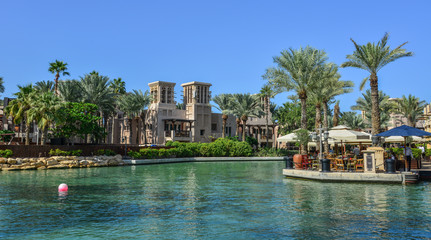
x: 229, y: 200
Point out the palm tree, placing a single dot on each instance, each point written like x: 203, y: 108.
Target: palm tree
x: 70, y: 91
x: 133, y: 105
x: 373, y: 57
x: 95, y: 89
x: 297, y: 70
x: 266, y: 93
x: 58, y: 67
x: 411, y: 108
x: 118, y: 86
x: 45, y: 112
x: 352, y: 120
x: 18, y: 108
x: 244, y: 106
x: 1, y: 85
x: 223, y: 102
x: 44, y: 86
x: 364, y: 103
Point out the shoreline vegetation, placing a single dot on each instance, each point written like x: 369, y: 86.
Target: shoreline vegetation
x: 221, y: 148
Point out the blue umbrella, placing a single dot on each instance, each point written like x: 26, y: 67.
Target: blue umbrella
x: 404, y: 131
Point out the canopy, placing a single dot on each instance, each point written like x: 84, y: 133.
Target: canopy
x: 404, y: 131
x: 291, y: 137
x: 346, y: 135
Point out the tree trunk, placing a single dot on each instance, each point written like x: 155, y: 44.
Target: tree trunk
x: 130, y: 129
x: 27, y: 133
x: 42, y: 139
x: 113, y: 129
x: 223, y: 132
x: 57, y: 76
x: 325, y: 125
x: 267, y: 119
x: 138, y: 130
x: 238, y: 121
x: 303, y: 98
x: 375, y: 110
x: 336, y: 115
x: 317, y: 123
x: 144, y: 127
x: 244, y: 122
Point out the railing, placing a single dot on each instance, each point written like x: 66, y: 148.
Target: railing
x: 182, y: 133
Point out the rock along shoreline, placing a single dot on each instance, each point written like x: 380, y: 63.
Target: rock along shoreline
x: 65, y: 162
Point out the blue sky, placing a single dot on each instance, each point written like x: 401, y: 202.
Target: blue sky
x: 226, y: 43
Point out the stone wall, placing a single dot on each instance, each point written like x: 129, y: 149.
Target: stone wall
x: 59, y: 162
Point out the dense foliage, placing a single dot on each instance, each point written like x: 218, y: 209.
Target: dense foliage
x: 59, y: 152
x: 6, y: 153
x: 79, y: 119
x: 288, y: 116
x: 220, y: 148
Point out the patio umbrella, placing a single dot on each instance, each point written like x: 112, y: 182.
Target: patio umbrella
x: 404, y: 131
x: 345, y: 135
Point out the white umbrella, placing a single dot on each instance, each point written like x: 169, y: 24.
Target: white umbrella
x: 399, y: 139
x: 344, y: 134
x: 291, y: 137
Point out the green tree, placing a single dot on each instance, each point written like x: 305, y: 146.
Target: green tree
x: 45, y: 112
x: 79, y: 119
x: 288, y: 116
x: 44, y: 86
x: 223, y: 102
x: 133, y: 105
x: 297, y: 71
x: 336, y: 113
x: 118, y: 86
x: 70, y: 91
x: 244, y: 106
x: 57, y: 68
x: 1, y: 85
x: 386, y: 107
x: 372, y: 57
x: 19, y: 107
x: 411, y: 108
x: 352, y: 120
x: 266, y: 93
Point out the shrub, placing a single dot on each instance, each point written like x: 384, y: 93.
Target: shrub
x: 272, y: 152
x: 168, y: 143
x: 57, y: 152
x: 109, y: 152
x: 428, y: 152
x: 416, y: 153
x: 6, y: 153
x: 162, y: 153
x: 241, y: 149
x: 204, y: 149
x: 172, y: 152
x: 100, y: 152
x: 134, y: 154
x: 149, y: 153
x: 75, y: 152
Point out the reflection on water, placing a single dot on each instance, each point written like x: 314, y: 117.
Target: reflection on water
x: 237, y: 200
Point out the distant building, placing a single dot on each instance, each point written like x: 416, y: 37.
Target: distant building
x: 164, y: 121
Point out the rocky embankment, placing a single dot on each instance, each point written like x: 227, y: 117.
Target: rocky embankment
x: 59, y: 162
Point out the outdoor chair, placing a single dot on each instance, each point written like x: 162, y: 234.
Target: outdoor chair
x: 359, y: 165
x: 315, y: 164
x: 339, y: 164
x: 305, y: 163
x: 351, y: 164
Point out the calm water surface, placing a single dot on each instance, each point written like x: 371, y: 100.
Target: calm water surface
x: 229, y: 200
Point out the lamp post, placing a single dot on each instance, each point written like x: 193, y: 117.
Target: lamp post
x: 320, y: 138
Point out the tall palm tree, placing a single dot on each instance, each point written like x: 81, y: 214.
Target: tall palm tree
x: 244, y: 106
x: 58, y: 67
x: 118, y: 86
x: 266, y: 93
x: 133, y: 105
x: 223, y: 102
x: 352, y: 120
x: 411, y: 108
x: 372, y: 57
x: 45, y: 112
x: 386, y: 107
x: 18, y: 108
x: 95, y: 89
x: 297, y: 70
x: 70, y: 91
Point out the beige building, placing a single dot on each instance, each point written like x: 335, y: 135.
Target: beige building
x: 194, y: 122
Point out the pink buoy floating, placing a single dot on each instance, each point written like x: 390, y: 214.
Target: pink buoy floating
x: 63, y: 187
